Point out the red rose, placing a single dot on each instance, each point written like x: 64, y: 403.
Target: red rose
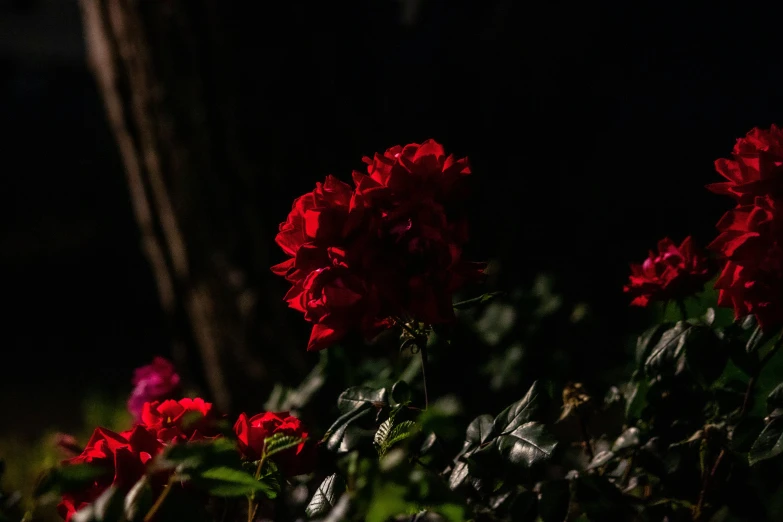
x: 752, y: 279
x: 252, y: 432
x: 415, y: 170
x: 757, y: 167
x: 317, y: 221
x: 123, y: 455
x: 182, y: 420
x: 153, y: 382
x: 390, y: 248
x: 672, y: 273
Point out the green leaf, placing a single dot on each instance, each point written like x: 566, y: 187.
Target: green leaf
x: 527, y: 445
x: 387, y: 501
x: 138, y: 501
x: 477, y: 300
x: 554, y: 500
x: 229, y: 482
x: 108, y: 507
x: 382, y: 434
x: 280, y: 442
x: 325, y: 497
x: 69, y: 478
x: 198, y: 455
x: 479, y: 430
x: 769, y: 444
x: 401, y: 432
x: 758, y: 339
x: 528, y: 408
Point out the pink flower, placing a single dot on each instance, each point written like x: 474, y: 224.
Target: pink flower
x: 154, y: 382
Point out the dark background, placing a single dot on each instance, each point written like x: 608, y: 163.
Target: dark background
x: 591, y: 128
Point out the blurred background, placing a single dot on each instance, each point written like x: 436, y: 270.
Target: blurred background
x: 152, y: 147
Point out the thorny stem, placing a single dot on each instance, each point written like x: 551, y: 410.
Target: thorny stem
x: 159, y: 502
x: 709, y: 479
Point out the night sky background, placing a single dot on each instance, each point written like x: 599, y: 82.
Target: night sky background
x: 592, y: 130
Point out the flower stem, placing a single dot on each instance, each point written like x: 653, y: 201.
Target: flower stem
x: 252, y: 506
x: 423, y: 352
x: 159, y: 502
x: 683, y: 309
x: 698, y: 513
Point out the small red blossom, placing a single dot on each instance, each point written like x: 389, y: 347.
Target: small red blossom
x: 674, y: 272
x: 756, y: 168
x: 751, y: 281
x: 251, y: 433
x: 154, y: 382
x: 182, y: 420
x: 124, y: 456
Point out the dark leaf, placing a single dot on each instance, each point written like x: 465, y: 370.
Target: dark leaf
x: 199, y: 455
x: 671, y: 345
x: 646, y: 341
x: 361, y: 397
x: 479, y: 429
x: 325, y: 497
x: 528, y: 408
x: 344, y: 435
x: 138, y: 501
x: 458, y: 474
x: 745, y: 433
x: 554, y: 500
x: 401, y: 392
x: 705, y: 354
x: 769, y: 444
x: 527, y: 445
x: 637, y: 399
x: 601, y: 458
x: 758, y: 339
x: 600, y: 499
x: 628, y: 439
x: 775, y: 398
x: 107, y: 508
x: 69, y: 478
x: 523, y: 507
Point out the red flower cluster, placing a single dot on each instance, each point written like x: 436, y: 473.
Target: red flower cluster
x: 750, y: 237
x: 388, y: 247
x: 154, y: 382
x: 124, y: 457
x: 672, y: 273
x: 251, y: 433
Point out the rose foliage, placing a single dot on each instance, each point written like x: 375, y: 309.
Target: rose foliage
x: 470, y: 410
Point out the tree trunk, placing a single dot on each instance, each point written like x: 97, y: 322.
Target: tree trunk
x: 166, y: 81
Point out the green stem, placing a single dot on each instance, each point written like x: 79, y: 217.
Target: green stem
x: 252, y: 507
x: 159, y: 502
x: 683, y: 309
x: 421, y: 342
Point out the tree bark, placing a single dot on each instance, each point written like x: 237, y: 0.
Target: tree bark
x: 166, y: 81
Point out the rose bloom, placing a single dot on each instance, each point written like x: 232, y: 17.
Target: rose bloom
x: 389, y: 248
x: 154, y: 382
x: 674, y: 272
x: 124, y: 457
x: 251, y: 433
x: 182, y: 420
x: 756, y: 168
x: 751, y: 281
